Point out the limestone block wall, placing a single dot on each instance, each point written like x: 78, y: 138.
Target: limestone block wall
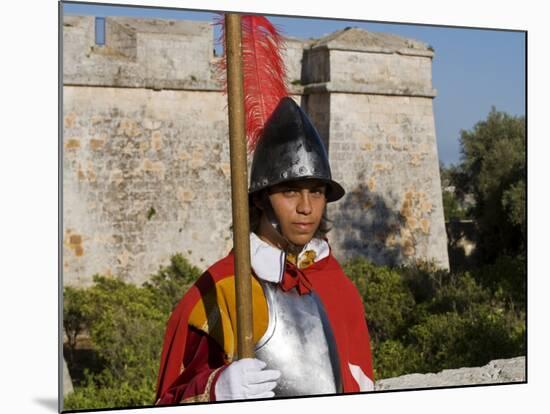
x: 145, y: 149
x: 384, y: 154
x: 145, y: 175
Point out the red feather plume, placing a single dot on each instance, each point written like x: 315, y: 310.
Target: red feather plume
x: 264, y: 72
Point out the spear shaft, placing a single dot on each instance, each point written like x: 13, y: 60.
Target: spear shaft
x: 239, y: 182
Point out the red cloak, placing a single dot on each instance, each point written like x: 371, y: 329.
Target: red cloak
x: 191, y: 361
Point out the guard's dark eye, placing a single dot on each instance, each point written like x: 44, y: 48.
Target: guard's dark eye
x: 319, y: 191
x: 289, y: 192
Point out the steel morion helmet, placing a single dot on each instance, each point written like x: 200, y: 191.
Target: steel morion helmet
x: 290, y: 149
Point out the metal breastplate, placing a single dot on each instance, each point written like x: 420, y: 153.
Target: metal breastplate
x: 299, y: 342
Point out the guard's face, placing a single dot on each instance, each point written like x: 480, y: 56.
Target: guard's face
x: 299, y: 206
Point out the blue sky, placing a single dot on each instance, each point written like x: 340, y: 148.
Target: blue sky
x: 473, y: 69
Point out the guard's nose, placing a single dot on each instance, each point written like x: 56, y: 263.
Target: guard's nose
x: 304, y: 204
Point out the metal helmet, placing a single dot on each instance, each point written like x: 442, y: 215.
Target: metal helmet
x: 290, y: 149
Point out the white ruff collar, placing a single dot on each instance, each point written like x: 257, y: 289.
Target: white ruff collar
x: 268, y: 262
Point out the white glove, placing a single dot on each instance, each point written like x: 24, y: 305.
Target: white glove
x: 245, y: 379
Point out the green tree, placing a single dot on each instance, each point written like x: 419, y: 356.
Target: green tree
x: 455, y: 205
x: 493, y: 169
x: 451, y: 207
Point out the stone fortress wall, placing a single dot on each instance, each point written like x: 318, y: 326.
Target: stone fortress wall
x: 146, y: 154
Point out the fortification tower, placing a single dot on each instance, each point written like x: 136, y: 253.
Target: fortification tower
x: 371, y: 96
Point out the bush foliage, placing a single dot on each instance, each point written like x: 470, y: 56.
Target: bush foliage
x: 421, y: 319
x: 125, y: 324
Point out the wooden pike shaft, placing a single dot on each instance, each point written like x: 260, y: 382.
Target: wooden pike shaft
x: 239, y: 183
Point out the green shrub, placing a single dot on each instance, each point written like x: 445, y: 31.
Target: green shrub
x: 388, y: 303
x: 440, y: 341
x: 125, y: 324
x: 473, y: 338
x: 170, y: 283
x: 126, y: 330
x: 506, y: 279
x: 424, y: 319
x: 394, y: 358
x: 107, y: 391
x: 75, y: 316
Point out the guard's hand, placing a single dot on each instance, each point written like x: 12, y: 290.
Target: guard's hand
x: 246, y: 378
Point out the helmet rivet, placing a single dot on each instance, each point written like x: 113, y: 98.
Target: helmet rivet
x: 302, y: 170
x: 284, y: 174
x: 264, y: 181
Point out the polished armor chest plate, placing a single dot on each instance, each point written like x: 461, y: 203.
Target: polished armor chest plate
x: 300, y: 343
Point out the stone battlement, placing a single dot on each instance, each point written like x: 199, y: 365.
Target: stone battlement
x: 139, y: 53
x: 175, y: 54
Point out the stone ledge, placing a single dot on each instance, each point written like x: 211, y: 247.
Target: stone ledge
x: 374, y: 89
x: 374, y: 49
x: 495, y: 372
x: 135, y: 83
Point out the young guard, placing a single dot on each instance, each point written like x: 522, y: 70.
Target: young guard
x: 309, y: 326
